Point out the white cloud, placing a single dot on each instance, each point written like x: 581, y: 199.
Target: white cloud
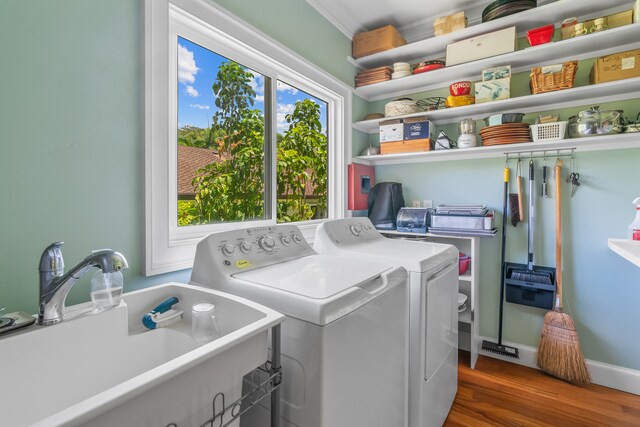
x: 199, y: 106
x: 191, y: 91
x: 187, y: 68
x: 283, y: 87
x: 282, y: 111
x: 257, y: 84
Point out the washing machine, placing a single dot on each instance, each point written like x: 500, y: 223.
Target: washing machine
x: 344, y: 341
x: 433, y: 308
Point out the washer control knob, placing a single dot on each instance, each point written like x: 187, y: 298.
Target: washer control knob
x: 296, y: 238
x: 285, y: 240
x: 245, y: 247
x: 355, y: 229
x: 228, y: 249
x: 267, y: 243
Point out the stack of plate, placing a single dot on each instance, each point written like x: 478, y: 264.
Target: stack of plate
x: 508, y: 133
x: 401, y: 69
x: 501, y: 8
x: 375, y: 75
x: 462, y: 302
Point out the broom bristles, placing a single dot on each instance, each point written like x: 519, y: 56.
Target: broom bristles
x: 559, y: 351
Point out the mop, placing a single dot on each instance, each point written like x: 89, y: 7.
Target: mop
x: 498, y: 347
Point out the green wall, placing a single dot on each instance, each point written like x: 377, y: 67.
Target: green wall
x: 72, y: 165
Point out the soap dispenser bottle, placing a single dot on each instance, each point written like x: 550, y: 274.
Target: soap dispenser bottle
x: 634, y: 227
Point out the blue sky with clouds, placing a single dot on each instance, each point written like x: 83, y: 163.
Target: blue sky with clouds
x: 197, y: 69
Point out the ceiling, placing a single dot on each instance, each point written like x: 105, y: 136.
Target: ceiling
x: 413, y: 18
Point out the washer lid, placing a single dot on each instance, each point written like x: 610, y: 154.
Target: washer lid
x: 315, y: 276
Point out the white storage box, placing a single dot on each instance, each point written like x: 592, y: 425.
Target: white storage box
x: 468, y: 222
x: 548, y: 131
x: 391, y: 130
x: 482, y: 46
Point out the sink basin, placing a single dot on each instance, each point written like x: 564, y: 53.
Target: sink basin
x: 106, y: 369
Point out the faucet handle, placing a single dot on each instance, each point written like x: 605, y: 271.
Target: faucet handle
x: 51, y: 259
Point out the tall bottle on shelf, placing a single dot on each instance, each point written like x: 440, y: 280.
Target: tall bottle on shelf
x: 634, y: 227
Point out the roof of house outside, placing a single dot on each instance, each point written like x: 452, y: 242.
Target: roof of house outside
x: 190, y: 159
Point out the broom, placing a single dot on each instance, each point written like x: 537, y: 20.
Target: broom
x: 559, y: 351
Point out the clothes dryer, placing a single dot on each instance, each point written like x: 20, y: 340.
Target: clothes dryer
x: 344, y: 341
x: 433, y: 325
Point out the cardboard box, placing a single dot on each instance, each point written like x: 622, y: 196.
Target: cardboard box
x: 496, y: 73
x: 619, y: 66
x: 482, y: 46
x: 391, y: 130
x: 449, y: 24
x: 613, y: 21
x: 493, y: 90
x: 375, y: 41
x: 416, y: 128
x: 459, y: 101
x: 410, y: 146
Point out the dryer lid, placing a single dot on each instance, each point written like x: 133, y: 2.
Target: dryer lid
x: 315, y: 276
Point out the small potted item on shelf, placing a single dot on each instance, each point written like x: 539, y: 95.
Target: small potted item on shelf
x: 540, y: 35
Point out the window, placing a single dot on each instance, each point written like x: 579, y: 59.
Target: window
x: 239, y: 132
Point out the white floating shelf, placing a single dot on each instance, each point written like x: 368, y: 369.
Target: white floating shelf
x: 465, y: 277
x: 597, y: 44
x: 551, y: 13
x: 465, y: 316
x: 574, y: 97
x: 608, y: 142
x: 627, y: 249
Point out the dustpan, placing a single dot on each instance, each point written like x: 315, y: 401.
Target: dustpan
x: 529, y: 284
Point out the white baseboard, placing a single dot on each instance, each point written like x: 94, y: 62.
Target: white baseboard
x: 612, y: 376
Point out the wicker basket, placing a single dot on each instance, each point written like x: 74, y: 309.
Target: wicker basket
x: 549, y: 82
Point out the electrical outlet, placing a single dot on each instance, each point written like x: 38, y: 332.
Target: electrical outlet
x: 428, y: 203
x: 416, y: 203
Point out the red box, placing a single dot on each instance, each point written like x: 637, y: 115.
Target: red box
x: 361, y: 181
x: 540, y: 35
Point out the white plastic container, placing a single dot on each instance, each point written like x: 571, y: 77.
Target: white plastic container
x: 634, y: 227
x: 106, y: 290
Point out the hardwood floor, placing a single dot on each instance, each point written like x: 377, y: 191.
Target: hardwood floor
x: 500, y: 393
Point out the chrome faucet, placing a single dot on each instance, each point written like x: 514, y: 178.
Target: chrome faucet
x: 55, y: 284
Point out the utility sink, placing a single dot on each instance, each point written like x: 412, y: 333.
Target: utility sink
x: 107, y: 369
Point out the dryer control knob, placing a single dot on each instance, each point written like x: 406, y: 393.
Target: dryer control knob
x: 267, y: 243
x: 285, y: 240
x: 296, y: 238
x: 228, y: 249
x: 245, y: 247
x: 355, y: 229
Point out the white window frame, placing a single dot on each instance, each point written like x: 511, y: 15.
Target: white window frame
x: 167, y: 246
